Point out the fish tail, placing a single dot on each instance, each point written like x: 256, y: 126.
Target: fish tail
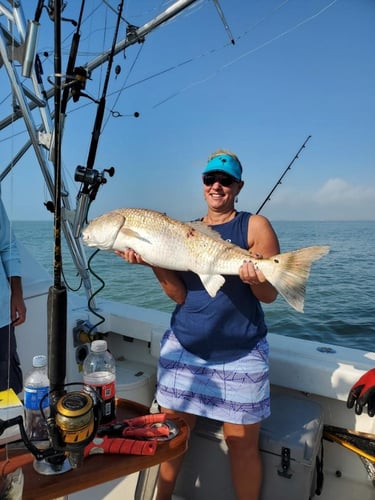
x: 288, y: 272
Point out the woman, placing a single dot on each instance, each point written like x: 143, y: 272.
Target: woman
x: 214, y: 358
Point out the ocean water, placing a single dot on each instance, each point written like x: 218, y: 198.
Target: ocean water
x: 339, y: 302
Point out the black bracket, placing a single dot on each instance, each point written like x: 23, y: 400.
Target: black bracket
x: 284, y: 470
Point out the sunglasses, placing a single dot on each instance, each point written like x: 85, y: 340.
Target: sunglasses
x: 224, y: 180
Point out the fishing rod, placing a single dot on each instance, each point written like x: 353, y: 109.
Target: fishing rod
x: 268, y: 198
x: 75, y: 77
x: 90, y: 178
x: 57, y: 294
x: 67, y: 437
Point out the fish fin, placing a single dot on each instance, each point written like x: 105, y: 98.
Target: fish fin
x: 212, y: 283
x: 133, y: 234
x: 288, y: 272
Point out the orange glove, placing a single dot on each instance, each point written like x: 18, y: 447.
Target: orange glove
x: 363, y: 393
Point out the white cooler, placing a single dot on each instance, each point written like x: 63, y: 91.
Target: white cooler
x: 135, y: 381
x: 289, y: 442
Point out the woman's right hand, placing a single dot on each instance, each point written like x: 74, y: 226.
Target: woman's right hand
x: 131, y: 256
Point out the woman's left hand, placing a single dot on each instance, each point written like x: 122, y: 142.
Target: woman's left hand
x: 251, y: 275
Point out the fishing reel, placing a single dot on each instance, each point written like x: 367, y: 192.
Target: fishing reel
x: 72, y: 425
x: 91, y: 180
x: 73, y: 422
x: 91, y: 176
x: 78, y: 83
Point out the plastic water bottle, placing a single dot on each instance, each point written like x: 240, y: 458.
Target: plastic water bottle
x: 99, y: 372
x: 36, y: 386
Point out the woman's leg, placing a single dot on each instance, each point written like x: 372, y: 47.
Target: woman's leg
x: 245, y: 461
x: 169, y: 470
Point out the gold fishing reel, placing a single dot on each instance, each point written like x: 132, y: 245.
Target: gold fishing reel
x: 75, y: 417
x: 73, y: 422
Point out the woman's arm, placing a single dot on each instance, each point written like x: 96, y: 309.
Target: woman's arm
x: 263, y: 242
x: 171, y: 283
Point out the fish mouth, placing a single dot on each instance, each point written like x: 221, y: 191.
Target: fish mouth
x: 86, y: 238
x: 94, y: 236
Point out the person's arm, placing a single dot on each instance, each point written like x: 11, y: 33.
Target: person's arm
x: 17, y: 304
x: 11, y: 262
x: 171, y: 283
x: 263, y: 242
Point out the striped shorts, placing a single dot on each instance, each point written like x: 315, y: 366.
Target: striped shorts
x: 236, y: 391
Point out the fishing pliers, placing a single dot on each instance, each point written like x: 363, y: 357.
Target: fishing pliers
x: 153, y: 426
x: 133, y: 436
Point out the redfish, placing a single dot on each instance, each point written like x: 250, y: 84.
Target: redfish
x: 193, y: 246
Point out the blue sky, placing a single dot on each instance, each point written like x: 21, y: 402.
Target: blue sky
x: 298, y: 68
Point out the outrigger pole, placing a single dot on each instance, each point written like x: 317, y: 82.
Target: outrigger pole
x: 268, y: 198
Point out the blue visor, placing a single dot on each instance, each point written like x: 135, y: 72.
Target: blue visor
x: 224, y: 163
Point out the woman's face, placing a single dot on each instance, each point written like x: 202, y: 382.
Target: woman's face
x: 220, y: 190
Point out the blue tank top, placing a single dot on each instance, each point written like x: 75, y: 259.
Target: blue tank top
x: 225, y: 327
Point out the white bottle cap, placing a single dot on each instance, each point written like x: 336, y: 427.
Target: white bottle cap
x: 99, y: 346
x: 39, y: 361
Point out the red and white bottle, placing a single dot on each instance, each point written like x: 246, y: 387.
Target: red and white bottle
x: 99, y: 372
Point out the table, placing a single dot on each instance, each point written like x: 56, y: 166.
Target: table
x: 96, y: 469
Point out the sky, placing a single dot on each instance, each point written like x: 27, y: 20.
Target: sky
x: 298, y: 70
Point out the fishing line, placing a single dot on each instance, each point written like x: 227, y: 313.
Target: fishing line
x: 176, y: 66
x: 81, y: 22
x: 138, y: 82
x: 246, y: 54
x: 119, y: 92
x: 280, y: 35
x: 213, y: 51
x: 114, y: 10
x: 161, y: 72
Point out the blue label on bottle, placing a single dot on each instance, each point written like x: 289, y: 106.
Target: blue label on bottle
x: 33, y: 396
